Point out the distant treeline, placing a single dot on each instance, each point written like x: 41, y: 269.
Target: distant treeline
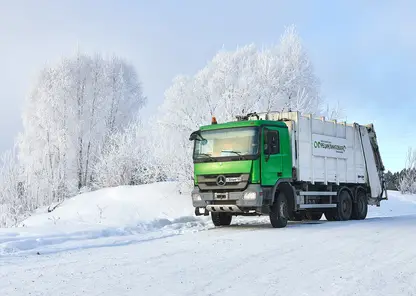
x: 393, y: 179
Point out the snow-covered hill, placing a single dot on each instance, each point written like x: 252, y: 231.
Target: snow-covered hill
x: 145, y: 240
x: 147, y: 206
x: 101, y: 218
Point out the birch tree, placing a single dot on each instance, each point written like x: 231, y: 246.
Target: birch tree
x: 69, y: 115
x: 14, y: 205
x: 129, y: 158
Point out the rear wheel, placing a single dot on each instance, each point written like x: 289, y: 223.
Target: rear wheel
x: 221, y: 219
x: 344, y: 209
x: 360, y: 207
x: 279, y: 213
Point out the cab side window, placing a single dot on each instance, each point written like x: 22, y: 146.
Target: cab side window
x: 271, y: 142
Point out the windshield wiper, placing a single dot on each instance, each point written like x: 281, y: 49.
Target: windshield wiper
x: 236, y: 152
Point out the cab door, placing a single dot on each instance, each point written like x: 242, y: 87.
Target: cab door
x: 271, y: 156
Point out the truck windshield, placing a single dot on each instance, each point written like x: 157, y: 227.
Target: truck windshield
x: 239, y: 143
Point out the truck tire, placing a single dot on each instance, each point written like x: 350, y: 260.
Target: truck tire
x: 314, y: 216
x: 221, y: 219
x: 343, y: 210
x: 279, y: 213
x: 360, y: 207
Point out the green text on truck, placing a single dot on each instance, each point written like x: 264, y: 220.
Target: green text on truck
x: 287, y: 165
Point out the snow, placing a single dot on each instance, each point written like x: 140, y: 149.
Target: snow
x: 147, y: 241
x: 123, y: 205
x: 136, y: 213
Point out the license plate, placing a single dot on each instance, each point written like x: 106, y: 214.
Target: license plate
x: 233, y: 179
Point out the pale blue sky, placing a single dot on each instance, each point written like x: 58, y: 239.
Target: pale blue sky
x: 363, y: 51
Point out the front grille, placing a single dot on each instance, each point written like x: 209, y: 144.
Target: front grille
x: 223, y: 181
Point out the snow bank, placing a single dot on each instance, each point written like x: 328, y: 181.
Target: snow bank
x: 151, y: 205
x: 133, y: 214
x: 100, y: 218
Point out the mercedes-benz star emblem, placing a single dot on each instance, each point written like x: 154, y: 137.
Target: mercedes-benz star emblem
x: 221, y: 180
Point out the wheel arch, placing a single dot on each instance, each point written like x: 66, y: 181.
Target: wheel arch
x: 284, y: 185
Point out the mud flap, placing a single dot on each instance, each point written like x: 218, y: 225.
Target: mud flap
x: 199, y: 213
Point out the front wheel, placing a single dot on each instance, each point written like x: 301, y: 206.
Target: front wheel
x: 221, y: 219
x: 279, y: 213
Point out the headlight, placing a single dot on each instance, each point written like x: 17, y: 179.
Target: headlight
x: 250, y: 195
x: 196, y: 197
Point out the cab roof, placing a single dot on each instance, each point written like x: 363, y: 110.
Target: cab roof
x: 243, y: 123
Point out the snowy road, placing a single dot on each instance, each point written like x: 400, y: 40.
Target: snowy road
x: 376, y: 256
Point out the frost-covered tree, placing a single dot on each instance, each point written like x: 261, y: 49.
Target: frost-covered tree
x: 240, y: 81
x: 69, y: 116
x: 129, y: 158
x: 13, y: 202
x: 407, y: 182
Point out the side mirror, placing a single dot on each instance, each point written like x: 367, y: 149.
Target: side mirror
x: 268, y: 150
x: 194, y: 136
x: 272, y: 144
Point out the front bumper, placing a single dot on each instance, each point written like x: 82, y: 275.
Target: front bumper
x: 235, y: 201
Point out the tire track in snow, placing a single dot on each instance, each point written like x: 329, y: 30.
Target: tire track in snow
x: 13, y: 244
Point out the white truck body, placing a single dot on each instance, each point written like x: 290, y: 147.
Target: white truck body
x: 333, y: 152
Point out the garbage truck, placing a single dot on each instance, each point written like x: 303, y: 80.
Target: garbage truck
x: 287, y: 165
